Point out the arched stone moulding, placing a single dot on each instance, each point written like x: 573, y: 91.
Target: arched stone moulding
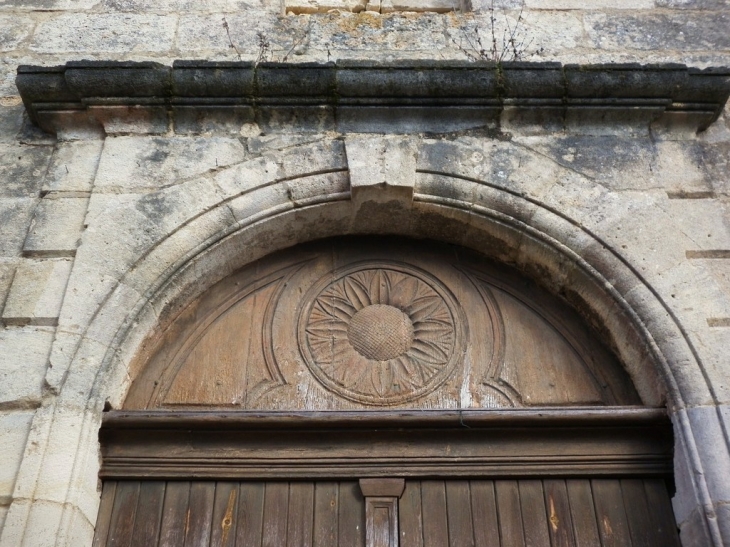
x: 393, y: 186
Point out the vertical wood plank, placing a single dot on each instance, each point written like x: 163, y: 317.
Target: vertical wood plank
x: 351, y: 515
x: 381, y: 521
x: 174, y: 514
x: 509, y: 513
x: 637, y: 513
x: 250, y: 521
x: 200, y: 517
x: 484, y: 511
x: 301, y: 517
x: 613, y: 526
x: 534, y: 515
x: 123, y: 514
x: 225, y: 514
x: 149, y: 513
x: 103, y: 520
x: 276, y: 509
x: 560, y: 522
x: 458, y: 510
x: 661, y: 513
x: 435, y: 523
x: 583, y: 513
x: 325, y: 514
x: 409, y: 514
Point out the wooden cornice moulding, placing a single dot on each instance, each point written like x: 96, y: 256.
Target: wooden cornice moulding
x: 366, y: 96
x: 616, y: 441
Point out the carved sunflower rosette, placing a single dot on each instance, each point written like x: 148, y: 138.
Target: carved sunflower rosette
x: 380, y: 334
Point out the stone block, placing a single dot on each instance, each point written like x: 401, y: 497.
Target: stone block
x: 3, y: 515
x: 48, y: 5
x: 104, y: 33
x: 11, y: 119
x: 403, y: 35
x: 73, y: 166
x: 37, y: 292
x: 23, y: 364
x: 14, y: 427
x: 582, y: 5
x: 14, y: 30
x: 15, y: 216
x: 7, y: 271
x: 438, y: 6
x: 716, y: 165
x: 205, y: 32
x: 317, y: 6
x: 231, y: 120
x: 381, y: 169
x: 685, y: 31
x: 705, y: 222
x: 318, y: 188
x: 692, y: 4
x: 180, y: 6
x: 131, y: 120
x: 22, y: 169
x: 264, y: 143
x: 131, y: 164
x: 56, y: 227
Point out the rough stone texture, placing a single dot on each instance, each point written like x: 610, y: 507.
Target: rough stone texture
x: 56, y: 227
x: 37, y: 292
x: 14, y: 428
x: 23, y: 364
x: 73, y: 166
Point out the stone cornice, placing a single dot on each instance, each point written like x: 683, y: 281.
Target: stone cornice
x: 402, y: 96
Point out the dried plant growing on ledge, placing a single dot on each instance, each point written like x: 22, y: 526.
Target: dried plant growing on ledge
x: 508, y: 43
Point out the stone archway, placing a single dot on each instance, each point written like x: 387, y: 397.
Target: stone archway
x: 249, y: 213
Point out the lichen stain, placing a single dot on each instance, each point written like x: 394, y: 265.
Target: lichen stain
x: 353, y: 22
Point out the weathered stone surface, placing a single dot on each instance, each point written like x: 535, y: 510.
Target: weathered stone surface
x: 184, y: 6
x: 105, y: 33
x: 682, y: 31
x: 705, y: 222
x: 37, y: 292
x: 14, y: 31
x: 7, y: 271
x: 11, y: 120
x: 692, y: 4
x: 381, y: 169
x: 23, y: 364
x: 73, y: 166
x: 594, y: 5
x: 15, y: 215
x: 14, y: 428
x: 22, y: 169
x: 56, y: 227
x: 130, y: 164
x: 48, y: 5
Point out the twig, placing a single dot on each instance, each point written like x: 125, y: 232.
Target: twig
x: 230, y: 41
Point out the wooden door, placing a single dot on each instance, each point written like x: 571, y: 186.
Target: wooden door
x: 264, y: 406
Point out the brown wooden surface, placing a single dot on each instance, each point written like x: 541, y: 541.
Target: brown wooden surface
x: 487, y: 443
x: 369, y: 323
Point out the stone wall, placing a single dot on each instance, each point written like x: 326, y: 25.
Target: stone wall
x: 89, y: 222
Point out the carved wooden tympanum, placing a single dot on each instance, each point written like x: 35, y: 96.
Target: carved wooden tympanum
x: 424, y: 357
x: 361, y: 323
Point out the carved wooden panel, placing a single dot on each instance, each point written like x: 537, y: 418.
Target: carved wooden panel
x: 361, y: 323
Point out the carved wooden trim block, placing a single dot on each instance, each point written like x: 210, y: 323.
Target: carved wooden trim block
x: 381, y: 510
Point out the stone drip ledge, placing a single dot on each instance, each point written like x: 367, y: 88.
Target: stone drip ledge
x: 363, y: 96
